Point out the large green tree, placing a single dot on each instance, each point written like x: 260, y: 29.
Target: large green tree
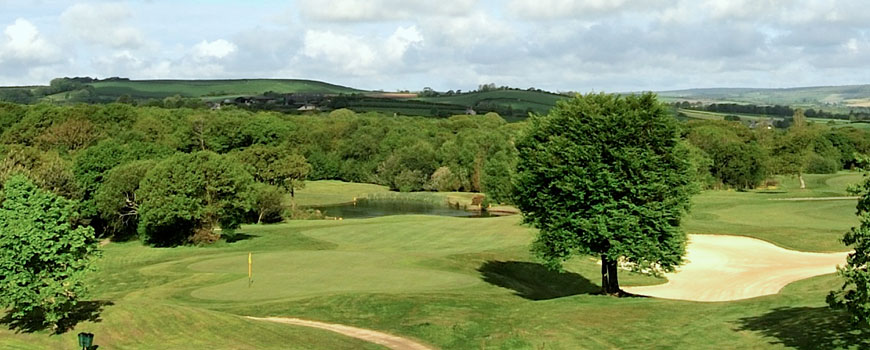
x: 854, y: 295
x: 116, y: 200
x: 276, y: 166
x: 604, y: 175
x: 187, y: 196
x: 44, y: 254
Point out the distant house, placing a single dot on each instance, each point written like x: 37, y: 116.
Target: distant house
x: 470, y: 111
x: 307, y: 108
x: 761, y: 124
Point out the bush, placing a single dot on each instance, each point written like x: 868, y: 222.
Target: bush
x: 44, y: 255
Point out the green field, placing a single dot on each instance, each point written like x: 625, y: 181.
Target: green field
x: 204, y: 88
x: 835, y: 98
x: 455, y: 283
x: 706, y: 115
x: 537, y: 102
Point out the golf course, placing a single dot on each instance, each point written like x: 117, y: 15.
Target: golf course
x: 453, y: 283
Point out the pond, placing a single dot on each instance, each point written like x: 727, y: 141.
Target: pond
x: 383, y: 207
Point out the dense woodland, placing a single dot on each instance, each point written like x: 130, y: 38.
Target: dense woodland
x: 175, y: 175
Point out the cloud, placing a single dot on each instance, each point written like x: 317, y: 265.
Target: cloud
x: 102, y: 24
x: 614, y: 45
x: 24, y: 44
x: 570, y: 9
x: 359, y: 55
x: 213, y: 50
x: 380, y: 10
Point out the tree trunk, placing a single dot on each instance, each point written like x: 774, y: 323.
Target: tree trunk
x: 801, y: 178
x: 609, y: 277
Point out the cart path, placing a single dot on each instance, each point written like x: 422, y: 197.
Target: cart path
x: 724, y: 268
x: 797, y: 199
x: 390, y: 341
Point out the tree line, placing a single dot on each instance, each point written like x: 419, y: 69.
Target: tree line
x: 785, y: 112
x: 729, y: 154
x: 234, y: 166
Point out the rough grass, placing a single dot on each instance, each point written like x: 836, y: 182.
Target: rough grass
x: 456, y: 283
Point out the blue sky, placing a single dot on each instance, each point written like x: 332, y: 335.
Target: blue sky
x: 558, y: 45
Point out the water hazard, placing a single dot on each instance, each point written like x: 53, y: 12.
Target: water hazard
x: 364, y: 208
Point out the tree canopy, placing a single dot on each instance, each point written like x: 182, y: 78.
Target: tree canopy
x: 604, y: 175
x: 188, y: 195
x: 854, y: 295
x: 44, y: 254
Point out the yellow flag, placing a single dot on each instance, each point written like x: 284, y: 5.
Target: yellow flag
x: 250, y: 271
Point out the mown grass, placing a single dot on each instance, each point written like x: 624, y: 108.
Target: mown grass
x: 456, y: 283
x: 773, y: 214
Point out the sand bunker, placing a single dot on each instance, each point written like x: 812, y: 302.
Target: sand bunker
x: 724, y: 268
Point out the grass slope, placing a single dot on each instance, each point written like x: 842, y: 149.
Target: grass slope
x: 456, y: 283
x: 537, y: 102
x: 204, y: 88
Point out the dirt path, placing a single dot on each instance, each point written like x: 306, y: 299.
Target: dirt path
x: 388, y: 340
x: 723, y: 268
x: 815, y: 199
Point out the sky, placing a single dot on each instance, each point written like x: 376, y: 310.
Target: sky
x: 556, y: 45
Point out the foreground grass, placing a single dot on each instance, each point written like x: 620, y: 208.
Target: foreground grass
x: 456, y: 283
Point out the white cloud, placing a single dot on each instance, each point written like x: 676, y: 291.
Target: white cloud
x: 398, y: 43
x: 351, y: 53
x: 102, y: 24
x: 24, y: 43
x: 474, y: 29
x: 358, y: 55
x: 379, y: 10
x: 215, y: 49
x: 571, y: 9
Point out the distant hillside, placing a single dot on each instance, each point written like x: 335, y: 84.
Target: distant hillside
x: 284, y: 95
x: 89, y: 90
x: 213, y: 88
x: 830, y: 97
x: 510, y: 102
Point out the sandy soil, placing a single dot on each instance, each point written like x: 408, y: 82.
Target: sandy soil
x: 388, y: 340
x: 724, y: 268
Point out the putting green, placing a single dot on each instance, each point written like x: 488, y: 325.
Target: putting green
x: 280, y: 275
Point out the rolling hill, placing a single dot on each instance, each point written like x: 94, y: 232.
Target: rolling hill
x: 829, y: 97
x: 509, y: 103
x: 213, y: 88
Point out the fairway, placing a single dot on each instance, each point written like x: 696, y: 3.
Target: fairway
x: 300, y: 274
x: 454, y: 283
x: 813, y: 226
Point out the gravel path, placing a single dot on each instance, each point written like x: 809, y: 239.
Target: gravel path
x: 390, y: 341
x: 724, y: 268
